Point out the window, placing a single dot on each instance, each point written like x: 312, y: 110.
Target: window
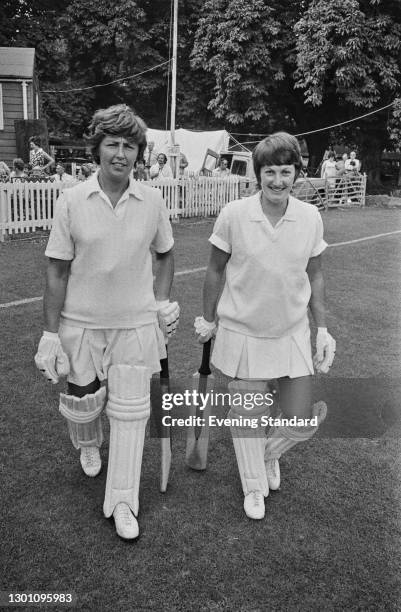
x: 1, y: 108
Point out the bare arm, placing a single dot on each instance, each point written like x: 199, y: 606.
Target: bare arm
x: 49, y: 159
x: 316, y: 303
x: 213, y: 282
x: 164, y: 275
x: 58, y: 271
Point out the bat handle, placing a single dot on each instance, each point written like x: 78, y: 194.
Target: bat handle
x: 205, y: 367
x: 164, y: 372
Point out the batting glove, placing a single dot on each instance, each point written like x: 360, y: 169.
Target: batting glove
x: 168, y: 314
x: 325, y: 350
x: 204, y: 330
x: 51, y: 359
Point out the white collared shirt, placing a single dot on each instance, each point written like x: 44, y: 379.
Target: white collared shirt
x: 111, y: 283
x: 267, y: 289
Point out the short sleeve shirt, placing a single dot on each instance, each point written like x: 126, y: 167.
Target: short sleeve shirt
x: 111, y: 282
x: 267, y: 289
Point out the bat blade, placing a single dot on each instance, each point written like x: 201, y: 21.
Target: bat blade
x: 198, y: 435
x: 159, y: 387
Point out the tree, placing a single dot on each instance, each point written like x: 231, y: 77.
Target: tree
x: 301, y: 65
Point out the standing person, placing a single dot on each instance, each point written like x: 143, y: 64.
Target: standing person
x: 101, y: 313
x: 352, y: 164
x: 150, y: 155
x: 222, y: 170
x: 329, y: 173
x: 268, y: 247
x: 38, y: 158
x: 161, y: 169
x: 183, y: 165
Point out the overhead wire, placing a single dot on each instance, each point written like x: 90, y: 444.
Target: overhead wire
x: 329, y: 127
x: 126, y: 78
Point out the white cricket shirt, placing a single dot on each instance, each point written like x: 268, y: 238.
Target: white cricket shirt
x: 111, y: 281
x: 267, y: 289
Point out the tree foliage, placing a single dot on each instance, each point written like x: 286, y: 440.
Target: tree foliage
x: 258, y: 65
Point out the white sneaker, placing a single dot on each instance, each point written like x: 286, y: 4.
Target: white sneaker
x: 126, y: 524
x: 254, y: 505
x: 90, y: 460
x: 273, y: 473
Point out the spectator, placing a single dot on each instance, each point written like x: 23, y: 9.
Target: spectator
x: 18, y: 171
x: 340, y: 164
x: 352, y: 164
x: 4, y: 171
x: 39, y: 159
x: 329, y: 170
x: 183, y: 165
x: 150, y: 155
x: 222, y: 169
x: 161, y: 169
x: 61, y: 175
x: 140, y: 173
x: 84, y: 172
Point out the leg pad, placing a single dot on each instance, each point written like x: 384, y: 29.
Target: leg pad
x: 248, y: 436
x: 128, y: 409
x: 84, y: 417
x: 283, y: 438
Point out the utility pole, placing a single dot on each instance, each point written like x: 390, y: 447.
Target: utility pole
x: 175, y: 151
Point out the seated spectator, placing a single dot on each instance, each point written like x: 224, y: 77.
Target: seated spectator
x: 61, y: 175
x: 18, y: 171
x: 4, y: 171
x: 85, y: 172
x: 161, y: 169
x: 140, y: 173
x: 222, y: 169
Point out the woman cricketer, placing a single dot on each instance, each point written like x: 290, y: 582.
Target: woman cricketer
x: 269, y: 247
x: 104, y: 319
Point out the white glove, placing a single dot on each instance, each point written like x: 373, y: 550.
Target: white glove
x: 50, y: 358
x: 168, y: 314
x: 325, y: 350
x: 204, y: 330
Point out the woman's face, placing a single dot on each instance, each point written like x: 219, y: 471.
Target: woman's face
x: 160, y: 160
x: 276, y: 182
x: 117, y: 157
x: 33, y: 146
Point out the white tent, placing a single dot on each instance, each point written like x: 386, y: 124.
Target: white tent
x: 193, y: 144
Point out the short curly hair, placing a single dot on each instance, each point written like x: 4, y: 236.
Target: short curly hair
x: 119, y: 120
x: 279, y: 149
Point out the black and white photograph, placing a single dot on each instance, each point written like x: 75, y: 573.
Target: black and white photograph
x: 200, y: 296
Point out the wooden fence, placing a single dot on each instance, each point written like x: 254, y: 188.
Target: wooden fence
x: 28, y: 206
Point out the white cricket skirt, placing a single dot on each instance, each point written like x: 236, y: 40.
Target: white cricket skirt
x: 92, y: 351
x: 240, y: 356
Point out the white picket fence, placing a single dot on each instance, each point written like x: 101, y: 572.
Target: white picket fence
x: 28, y: 206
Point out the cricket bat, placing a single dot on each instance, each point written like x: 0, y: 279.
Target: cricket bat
x: 158, y: 388
x: 198, y: 435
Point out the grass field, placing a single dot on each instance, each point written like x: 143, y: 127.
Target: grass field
x: 331, y: 536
